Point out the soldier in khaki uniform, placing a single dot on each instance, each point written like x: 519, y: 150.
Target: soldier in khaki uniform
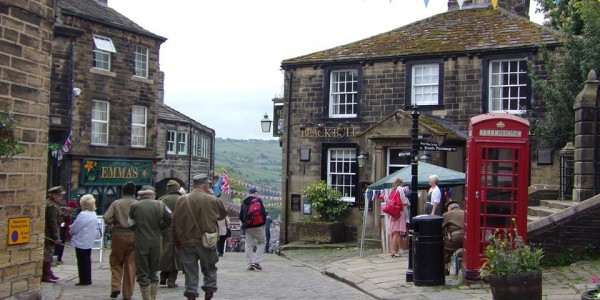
x: 51, y: 232
x: 122, y: 258
x: 148, y: 217
x: 169, y: 258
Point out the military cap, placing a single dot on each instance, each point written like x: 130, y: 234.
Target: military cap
x: 201, y: 178
x: 56, y: 190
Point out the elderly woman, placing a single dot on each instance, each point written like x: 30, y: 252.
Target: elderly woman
x: 83, y: 234
x: 434, y: 205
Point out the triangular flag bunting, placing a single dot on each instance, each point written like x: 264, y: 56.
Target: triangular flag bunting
x: 494, y: 3
x: 557, y: 2
x: 426, y: 3
x: 460, y: 3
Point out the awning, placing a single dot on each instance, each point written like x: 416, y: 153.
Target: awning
x: 447, y: 177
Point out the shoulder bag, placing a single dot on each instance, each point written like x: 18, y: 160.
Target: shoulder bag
x: 209, y: 239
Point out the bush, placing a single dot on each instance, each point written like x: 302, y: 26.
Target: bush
x: 325, y: 201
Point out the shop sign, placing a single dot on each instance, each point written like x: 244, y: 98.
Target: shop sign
x: 328, y: 132
x: 99, y: 172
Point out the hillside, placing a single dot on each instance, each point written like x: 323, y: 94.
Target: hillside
x: 257, y: 162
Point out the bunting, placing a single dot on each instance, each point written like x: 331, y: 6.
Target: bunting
x: 460, y: 3
x: 225, y: 183
x: 494, y: 3
x: 58, y: 154
x: 427, y: 2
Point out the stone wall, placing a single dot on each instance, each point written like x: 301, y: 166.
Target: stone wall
x: 574, y: 231
x: 25, y: 60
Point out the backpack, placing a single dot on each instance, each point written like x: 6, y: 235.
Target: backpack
x: 254, y: 215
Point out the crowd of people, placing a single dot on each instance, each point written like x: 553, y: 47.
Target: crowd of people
x: 436, y: 204
x: 147, y: 239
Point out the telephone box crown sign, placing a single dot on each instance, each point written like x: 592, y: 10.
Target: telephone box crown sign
x: 500, y: 124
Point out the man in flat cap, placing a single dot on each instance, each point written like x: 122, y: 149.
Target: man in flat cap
x: 148, y: 217
x: 169, y: 258
x: 197, y: 213
x: 453, y: 228
x: 122, y: 257
x: 51, y: 232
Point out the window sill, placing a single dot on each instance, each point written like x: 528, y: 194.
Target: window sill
x: 425, y: 107
x: 141, y: 79
x: 103, y: 72
x: 140, y: 148
x: 102, y: 146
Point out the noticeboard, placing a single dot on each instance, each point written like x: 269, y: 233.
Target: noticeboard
x: 18, y: 231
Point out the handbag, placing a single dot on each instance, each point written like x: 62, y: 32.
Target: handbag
x: 390, y: 206
x: 209, y: 239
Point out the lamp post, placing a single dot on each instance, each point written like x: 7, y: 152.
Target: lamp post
x: 265, y: 124
x: 414, y: 185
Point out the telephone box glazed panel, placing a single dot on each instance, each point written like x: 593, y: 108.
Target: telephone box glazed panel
x: 496, y: 185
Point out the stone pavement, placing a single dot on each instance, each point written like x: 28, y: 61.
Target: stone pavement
x: 374, y: 275
x: 280, y: 278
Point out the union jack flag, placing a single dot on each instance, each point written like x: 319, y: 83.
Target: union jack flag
x: 225, y: 186
x: 66, y: 147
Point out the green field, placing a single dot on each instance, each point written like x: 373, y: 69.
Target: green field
x: 257, y: 162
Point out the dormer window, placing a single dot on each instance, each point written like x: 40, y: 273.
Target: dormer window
x: 103, y: 46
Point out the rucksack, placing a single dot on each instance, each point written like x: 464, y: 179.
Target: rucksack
x: 254, y: 215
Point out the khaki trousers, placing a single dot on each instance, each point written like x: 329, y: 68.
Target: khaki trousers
x: 122, y: 265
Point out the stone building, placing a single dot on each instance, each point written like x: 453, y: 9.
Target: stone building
x: 185, y: 146
x: 25, y: 61
x: 357, y: 99
x: 104, y: 95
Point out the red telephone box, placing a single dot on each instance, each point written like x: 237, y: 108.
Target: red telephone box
x: 497, y: 180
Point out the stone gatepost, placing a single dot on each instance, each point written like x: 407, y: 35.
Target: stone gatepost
x: 584, y: 109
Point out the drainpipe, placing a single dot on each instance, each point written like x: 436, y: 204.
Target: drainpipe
x: 190, y: 155
x: 72, y: 82
x: 284, y: 201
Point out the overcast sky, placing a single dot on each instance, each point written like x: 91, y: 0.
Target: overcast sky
x: 222, y: 57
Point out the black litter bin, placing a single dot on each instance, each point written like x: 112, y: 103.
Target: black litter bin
x: 428, y: 251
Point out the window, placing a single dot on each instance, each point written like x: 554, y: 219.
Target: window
x: 103, y: 47
x: 398, y: 158
x: 100, y: 112
x: 205, y: 147
x: 138, y: 126
x: 141, y: 61
x: 508, y: 86
x: 341, y: 173
x: 343, y: 94
x: 425, y: 84
x: 182, y: 143
x: 171, y: 141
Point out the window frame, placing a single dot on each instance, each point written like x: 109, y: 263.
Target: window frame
x: 171, y: 139
x: 409, y: 89
x: 140, y: 58
x: 182, y: 143
x: 348, y: 161
x: 523, y: 89
x: 143, y: 126
x: 327, y: 96
x: 103, y: 47
x: 104, y: 123
x: 393, y: 167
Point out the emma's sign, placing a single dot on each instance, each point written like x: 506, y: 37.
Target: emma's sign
x: 115, y: 172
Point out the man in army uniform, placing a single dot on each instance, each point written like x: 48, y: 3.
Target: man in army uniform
x: 148, y: 217
x: 51, y: 232
x: 169, y: 258
x: 122, y: 258
x: 197, y: 213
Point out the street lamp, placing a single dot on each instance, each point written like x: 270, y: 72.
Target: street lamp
x: 265, y: 124
x: 362, y: 159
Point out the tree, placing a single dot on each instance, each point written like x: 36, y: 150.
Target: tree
x: 567, y: 68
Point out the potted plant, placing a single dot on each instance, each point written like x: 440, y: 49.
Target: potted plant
x: 324, y: 225
x: 511, y: 266
x: 594, y: 293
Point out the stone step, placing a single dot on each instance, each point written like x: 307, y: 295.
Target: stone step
x: 531, y: 218
x: 541, y: 211
x: 558, y: 204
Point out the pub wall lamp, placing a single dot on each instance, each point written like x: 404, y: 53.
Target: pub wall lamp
x: 362, y: 159
x: 265, y: 124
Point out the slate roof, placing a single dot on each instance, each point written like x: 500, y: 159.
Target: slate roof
x: 168, y: 113
x: 93, y: 11
x: 473, y: 30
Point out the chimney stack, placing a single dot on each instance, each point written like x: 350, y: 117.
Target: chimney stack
x: 519, y: 7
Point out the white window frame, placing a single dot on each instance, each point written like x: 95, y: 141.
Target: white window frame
x: 425, y: 84
x: 182, y: 143
x: 205, y: 147
x: 103, y: 46
x: 139, y: 119
x: 507, y: 85
x: 343, y: 93
x: 393, y: 151
x: 100, y: 122
x: 171, y: 142
x: 140, y: 60
x: 195, y: 145
x: 341, y: 173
